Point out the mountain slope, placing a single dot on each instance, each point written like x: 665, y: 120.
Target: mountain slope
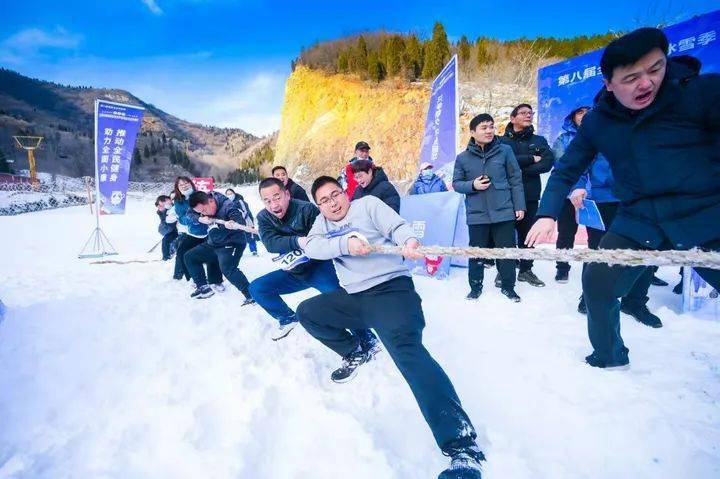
x: 64, y: 116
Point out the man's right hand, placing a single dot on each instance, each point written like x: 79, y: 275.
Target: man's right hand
x: 540, y: 231
x: 481, y: 183
x: 577, y: 197
x: 358, y: 247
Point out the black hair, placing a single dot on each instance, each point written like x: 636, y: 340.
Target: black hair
x: 161, y: 199
x: 278, y: 167
x: 268, y: 182
x: 515, y: 110
x: 630, y: 48
x: 482, y: 117
x: 197, y: 198
x: 230, y: 189
x: 365, y: 166
x: 322, y: 181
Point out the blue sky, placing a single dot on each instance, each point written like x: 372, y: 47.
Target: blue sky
x: 224, y: 62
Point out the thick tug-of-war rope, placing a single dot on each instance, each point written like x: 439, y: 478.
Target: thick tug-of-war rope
x: 694, y: 258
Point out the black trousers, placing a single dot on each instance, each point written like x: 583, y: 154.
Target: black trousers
x: 185, y: 244
x: 603, y: 284
x: 394, y: 310
x: 493, y: 235
x: 638, y: 294
x: 166, y: 242
x: 523, y: 228
x: 567, y: 229
x: 227, y: 258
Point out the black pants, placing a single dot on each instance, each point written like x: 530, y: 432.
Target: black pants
x: 638, y: 294
x: 186, y: 243
x: 495, y: 235
x: 228, y: 258
x: 603, y: 284
x: 567, y: 229
x: 394, y: 310
x: 523, y: 228
x: 166, y: 242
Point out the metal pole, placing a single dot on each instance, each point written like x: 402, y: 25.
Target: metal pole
x: 97, y: 173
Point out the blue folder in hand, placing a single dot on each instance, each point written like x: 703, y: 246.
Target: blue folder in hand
x: 589, y: 215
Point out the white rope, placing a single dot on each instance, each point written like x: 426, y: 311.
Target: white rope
x: 694, y: 258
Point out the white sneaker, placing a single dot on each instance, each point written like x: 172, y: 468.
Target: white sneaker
x: 218, y: 288
x: 282, y: 331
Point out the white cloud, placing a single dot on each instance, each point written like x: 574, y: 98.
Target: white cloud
x: 153, y: 6
x: 28, y: 43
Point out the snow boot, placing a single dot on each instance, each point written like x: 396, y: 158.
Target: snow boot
x: 465, y: 463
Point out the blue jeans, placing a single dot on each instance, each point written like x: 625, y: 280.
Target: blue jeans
x: 252, y: 242
x: 266, y: 290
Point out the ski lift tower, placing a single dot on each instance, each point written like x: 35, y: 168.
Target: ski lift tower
x: 30, y: 144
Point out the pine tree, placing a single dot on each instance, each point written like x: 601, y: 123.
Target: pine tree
x: 464, y: 50
x: 412, y: 58
x: 391, y: 55
x: 375, y: 68
x: 164, y: 139
x: 437, y: 52
x: 146, y: 151
x: 136, y: 156
x: 361, y: 54
x: 484, y: 55
x: 342, y: 62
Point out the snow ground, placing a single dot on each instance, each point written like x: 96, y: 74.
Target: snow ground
x: 111, y: 371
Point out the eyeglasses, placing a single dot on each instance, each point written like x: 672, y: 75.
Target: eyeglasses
x: 324, y: 201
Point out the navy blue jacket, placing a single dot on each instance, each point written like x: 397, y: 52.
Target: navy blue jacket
x: 380, y: 187
x: 281, y: 235
x: 227, y: 209
x: 665, y: 160
x: 526, y: 144
x: 165, y: 228
x: 296, y: 191
x: 598, y: 180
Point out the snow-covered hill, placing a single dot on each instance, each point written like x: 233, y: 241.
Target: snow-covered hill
x: 111, y: 371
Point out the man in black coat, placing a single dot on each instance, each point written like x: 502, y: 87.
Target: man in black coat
x: 226, y: 241
x: 373, y: 181
x: 296, y: 191
x: 657, y: 122
x: 282, y: 224
x: 535, y: 157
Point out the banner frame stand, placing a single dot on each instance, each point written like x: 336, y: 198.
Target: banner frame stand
x: 101, y: 245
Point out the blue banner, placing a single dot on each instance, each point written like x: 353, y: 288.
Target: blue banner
x: 572, y: 83
x: 440, y: 138
x: 116, y: 128
x: 434, y: 219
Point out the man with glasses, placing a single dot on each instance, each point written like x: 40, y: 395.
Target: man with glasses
x: 282, y: 225
x: 535, y: 157
x: 379, y: 293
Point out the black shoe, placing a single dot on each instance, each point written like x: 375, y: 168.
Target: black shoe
x: 202, y: 292
x: 529, y: 277
x: 657, y: 281
x: 350, y: 363
x: 498, y: 282
x: 562, y: 276
x: 678, y: 289
x: 595, y: 362
x: 248, y: 300
x: 582, y: 308
x: 474, y: 294
x: 642, y: 315
x: 511, y: 294
x: 465, y: 463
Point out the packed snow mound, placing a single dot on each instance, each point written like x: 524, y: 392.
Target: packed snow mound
x: 112, y: 371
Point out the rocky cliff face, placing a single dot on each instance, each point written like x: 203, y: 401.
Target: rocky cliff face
x: 325, y: 115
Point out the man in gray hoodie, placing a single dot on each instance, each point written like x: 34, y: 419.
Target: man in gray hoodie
x: 379, y: 293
